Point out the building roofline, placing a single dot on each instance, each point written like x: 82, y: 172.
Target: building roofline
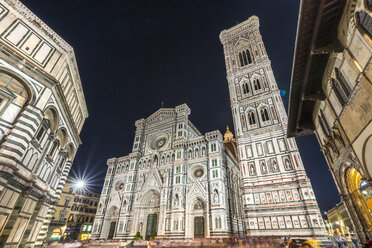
x: 316, y: 38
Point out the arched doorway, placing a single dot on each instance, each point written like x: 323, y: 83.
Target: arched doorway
x: 149, y: 210
x: 110, y: 222
x: 198, y: 220
x: 361, y: 194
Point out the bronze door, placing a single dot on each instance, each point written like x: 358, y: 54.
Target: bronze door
x: 112, y: 230
x: 199, y: 227
x: 152, y: 225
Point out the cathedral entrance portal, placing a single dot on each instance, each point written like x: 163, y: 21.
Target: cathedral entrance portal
x: 150, y: 215
x: 152, y: 225
x: 199, y: 227
x: 112, y: 230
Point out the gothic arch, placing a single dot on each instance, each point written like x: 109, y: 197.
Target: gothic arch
x: 245, y: 86
x: 148, y: 195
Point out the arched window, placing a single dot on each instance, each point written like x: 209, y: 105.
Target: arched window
x: 257, y: 84
x: 39, y: 135
x: 245, y: 58
x: 264, y: 114
x: 241, y: 59
x: 167, y: 160
x: 245, y: 88
x: 203, y: 151
x: 249, y: 56
x: 54, y: 148
x: 196, y: 152
x: 190, y: 154
x: 251, y: 118
x: 365, y: 21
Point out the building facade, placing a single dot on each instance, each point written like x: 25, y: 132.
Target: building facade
x: 338, y: 220
x: 176, y: 183
x: 331, y: 97
x: 42, y: 111
x: 74, y: 214
x: 278, y: 198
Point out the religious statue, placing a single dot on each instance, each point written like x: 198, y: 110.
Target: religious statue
x: 263, y: 167
x: 252, y: 169
x: 215, y: 196
x: 275, y: 166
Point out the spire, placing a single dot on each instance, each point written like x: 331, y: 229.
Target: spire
x: 228, y: 136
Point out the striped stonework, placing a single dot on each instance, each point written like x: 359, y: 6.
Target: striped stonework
x: 42, y: 111
x: 278, y: 198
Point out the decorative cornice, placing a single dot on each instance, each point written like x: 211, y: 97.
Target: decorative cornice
x: 251, y: 23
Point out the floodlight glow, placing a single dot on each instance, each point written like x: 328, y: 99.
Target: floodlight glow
x: 80, y: 184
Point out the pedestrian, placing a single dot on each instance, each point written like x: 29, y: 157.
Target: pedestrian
x: 354, y: 239
x: 349, y: 242
x: 338, y: 240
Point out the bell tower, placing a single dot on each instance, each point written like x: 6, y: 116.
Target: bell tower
x: 278, y: 198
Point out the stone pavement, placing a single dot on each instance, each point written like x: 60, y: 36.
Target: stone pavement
x: 207, y: 243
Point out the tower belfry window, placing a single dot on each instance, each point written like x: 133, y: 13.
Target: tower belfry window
x: 257, y: 84
x: 264, y: 114
x: 252, y: 118
x: 245, y: 58
x: 245, y: 88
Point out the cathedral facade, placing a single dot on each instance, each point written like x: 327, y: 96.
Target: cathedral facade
x: 176, y: 183
x: 179, y: 183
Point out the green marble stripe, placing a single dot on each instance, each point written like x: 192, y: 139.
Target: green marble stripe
x: 11, y: 150
x: 20, y: 137
x: 30, y: 119
x: 36, y: 114
x: 23, y: 131
x: 11, y: 141
x: 27, y: 125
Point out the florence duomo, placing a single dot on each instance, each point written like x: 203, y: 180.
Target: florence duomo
x: 187, y: 142
x: 180, y: 183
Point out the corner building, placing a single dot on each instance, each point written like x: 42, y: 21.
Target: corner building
x: 278, y: 198
x: 333, y: 99
x: 42, y: 111
x: 176, y: 183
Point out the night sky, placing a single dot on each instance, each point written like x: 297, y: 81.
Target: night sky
x: 134, y: 55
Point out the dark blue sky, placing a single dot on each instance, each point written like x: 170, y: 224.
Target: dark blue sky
x: 133, y: 55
